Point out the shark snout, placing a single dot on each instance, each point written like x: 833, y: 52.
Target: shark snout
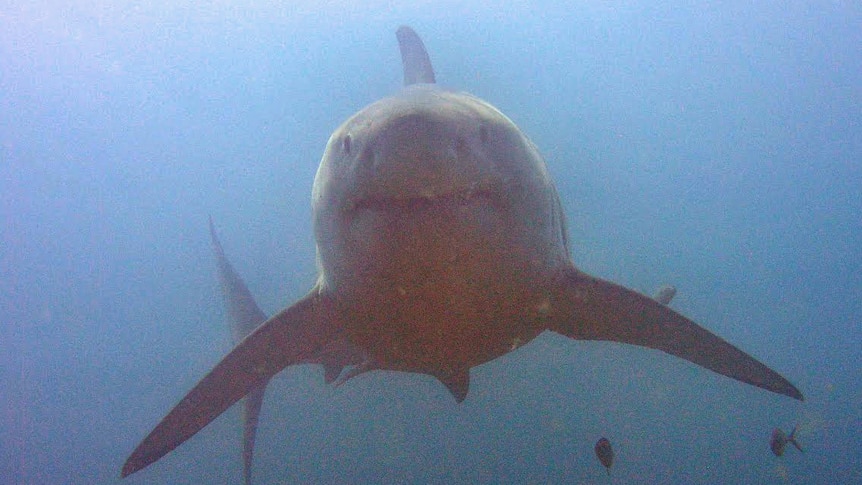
x: 413, y: 139
x: 421, y: 154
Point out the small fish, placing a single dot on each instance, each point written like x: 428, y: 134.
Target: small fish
x: 777, y: 443
x: 665, y: 294
x: 605, y: 453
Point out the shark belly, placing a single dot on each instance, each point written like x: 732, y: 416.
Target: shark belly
x: 434, y: 286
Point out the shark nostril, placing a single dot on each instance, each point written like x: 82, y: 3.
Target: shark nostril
x: 483, y: 133
x: 366, y: 158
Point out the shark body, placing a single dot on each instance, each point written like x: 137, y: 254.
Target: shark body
x: 441, y: 246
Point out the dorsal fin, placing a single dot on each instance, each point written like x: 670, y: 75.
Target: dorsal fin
x: 414, y: 57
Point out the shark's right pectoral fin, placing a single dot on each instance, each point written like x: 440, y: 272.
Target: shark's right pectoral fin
x: 295, y: 335
x: 588, y: 308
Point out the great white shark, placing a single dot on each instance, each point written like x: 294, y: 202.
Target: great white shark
x: 441, y: 245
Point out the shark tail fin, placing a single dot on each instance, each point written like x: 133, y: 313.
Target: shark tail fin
x: 244, y: 316
x: 250, y: 415
x: 588, y: 308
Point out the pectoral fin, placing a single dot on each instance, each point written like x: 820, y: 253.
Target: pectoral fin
x: 295, y: 335
x: 588, y: 308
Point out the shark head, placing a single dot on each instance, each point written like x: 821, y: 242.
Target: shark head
x: 400, y: 169
x: 434, y: 196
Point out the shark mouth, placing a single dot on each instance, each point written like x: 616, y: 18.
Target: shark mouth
x: 423, y: 202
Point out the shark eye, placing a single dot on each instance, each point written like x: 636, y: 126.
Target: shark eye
x: 345, y: 144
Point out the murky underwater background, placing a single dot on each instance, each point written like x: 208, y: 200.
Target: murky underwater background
x: 716, y: 148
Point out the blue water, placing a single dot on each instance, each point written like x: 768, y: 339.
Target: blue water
x: 715, y: 148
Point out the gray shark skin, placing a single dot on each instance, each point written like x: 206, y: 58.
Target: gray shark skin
x: 441, y: 245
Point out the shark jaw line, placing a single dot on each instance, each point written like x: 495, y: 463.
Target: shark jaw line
x: 421, y: 202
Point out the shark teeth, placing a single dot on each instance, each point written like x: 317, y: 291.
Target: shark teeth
x: 427, y: 199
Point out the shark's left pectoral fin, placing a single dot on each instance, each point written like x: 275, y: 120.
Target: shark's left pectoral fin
x: 295, y: 335
x: 588, y: 308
